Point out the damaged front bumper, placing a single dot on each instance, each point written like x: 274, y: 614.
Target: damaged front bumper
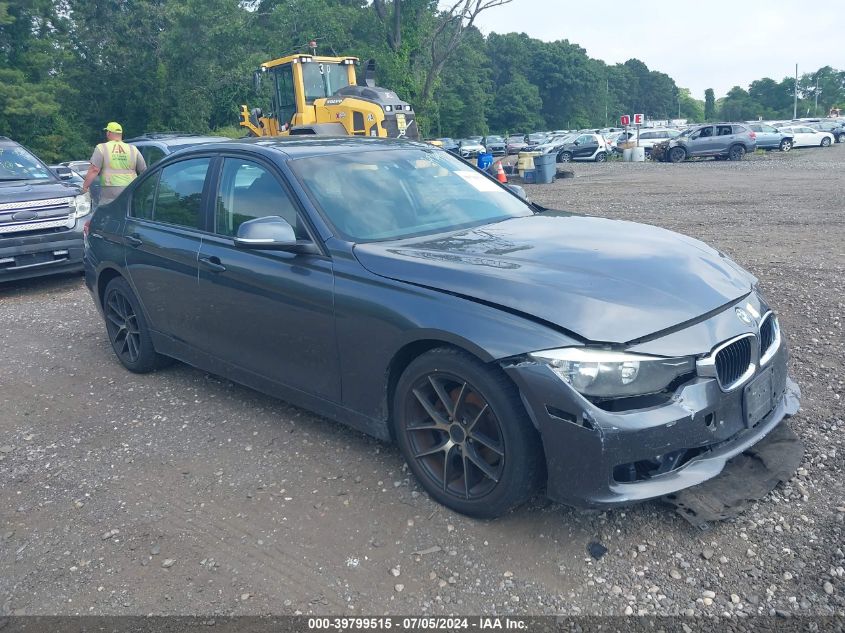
x: 598, y: 458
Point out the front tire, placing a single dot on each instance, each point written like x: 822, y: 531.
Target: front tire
x: 825, y: 142
x: 127, y: 329
x: 677, y: 154
x: 464, y: 433
x: 564, y: 157
x: 737, y: 152
x: 785, y: 145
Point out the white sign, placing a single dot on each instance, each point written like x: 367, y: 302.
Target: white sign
x: 639, y: 119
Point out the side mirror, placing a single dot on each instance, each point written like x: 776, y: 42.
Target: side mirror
x: 272, y: 232
x: 577, y: 143
x: 63, y: 173
x: 518, y: 191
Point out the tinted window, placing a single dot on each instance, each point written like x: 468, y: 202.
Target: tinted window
x: 153, y: 155
x: 740, y: 129
x: 249, y: 191
x: 180, y: 192
x: 144, y: 197
x: 723, y: 130
x: 648, y: 135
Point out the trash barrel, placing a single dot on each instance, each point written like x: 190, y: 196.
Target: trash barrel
x: 638, y: 154
x: 626, y: 154
x: 485, y: 160
x: 545, y: 166
x: 529, y: 176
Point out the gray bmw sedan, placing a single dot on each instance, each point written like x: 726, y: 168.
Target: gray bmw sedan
x: 506, y: 348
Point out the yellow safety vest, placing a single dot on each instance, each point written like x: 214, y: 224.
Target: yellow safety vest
x: 119, y: 160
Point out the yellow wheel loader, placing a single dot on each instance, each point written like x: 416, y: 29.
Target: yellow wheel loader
x: 321, y: 95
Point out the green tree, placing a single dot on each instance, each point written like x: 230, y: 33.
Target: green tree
x: 709, y: 104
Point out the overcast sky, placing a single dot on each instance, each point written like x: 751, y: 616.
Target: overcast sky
x: 686, y: 40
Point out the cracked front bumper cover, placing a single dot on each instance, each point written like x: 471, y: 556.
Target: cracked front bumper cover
x: 585, y: 444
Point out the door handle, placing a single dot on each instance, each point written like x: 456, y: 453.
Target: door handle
x: 213, y: 264
x: 133, y: 240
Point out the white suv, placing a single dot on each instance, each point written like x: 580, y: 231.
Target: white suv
x: 648, y: 137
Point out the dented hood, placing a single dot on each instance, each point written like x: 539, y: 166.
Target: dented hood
x: 604, y: 280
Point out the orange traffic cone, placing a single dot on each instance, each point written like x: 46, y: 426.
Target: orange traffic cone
x: 500, y: 173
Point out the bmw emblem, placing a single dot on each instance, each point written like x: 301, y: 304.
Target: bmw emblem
x: 743, y: 316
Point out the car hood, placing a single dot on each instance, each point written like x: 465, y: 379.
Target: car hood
x: 25, y: 191
x: 603, y: 280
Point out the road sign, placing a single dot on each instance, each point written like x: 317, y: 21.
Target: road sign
x: 624, y: 120
x: 639, y: 119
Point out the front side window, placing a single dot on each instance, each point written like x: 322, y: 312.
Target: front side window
x: 179, y: 199
x: 392, y: 194
x: 248, y: 191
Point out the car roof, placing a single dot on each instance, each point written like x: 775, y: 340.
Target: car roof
x: 305, y: 146
x: 176, y: 141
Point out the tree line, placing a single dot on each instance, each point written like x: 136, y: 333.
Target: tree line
x: 69, y: 66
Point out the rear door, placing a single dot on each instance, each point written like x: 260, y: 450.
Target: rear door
x: 268, y: 312
x: 162, y: 236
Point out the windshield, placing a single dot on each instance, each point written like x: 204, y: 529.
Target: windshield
x: 323, y: 79
x: 394, y: 194
x: 18, y: 164
x: 495, y: 139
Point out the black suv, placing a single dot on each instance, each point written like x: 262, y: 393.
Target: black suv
x: 42, y: 214
x: 156, y: 145
x: 720, y: 140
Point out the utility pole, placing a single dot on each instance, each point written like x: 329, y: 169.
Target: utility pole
x: 816, y: 110
x: 795, y: 101
x: 606, y: 95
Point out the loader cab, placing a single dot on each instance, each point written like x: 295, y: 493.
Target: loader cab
x: 300, y: 80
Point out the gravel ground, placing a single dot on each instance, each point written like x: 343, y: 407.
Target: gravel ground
x: 181, y: 493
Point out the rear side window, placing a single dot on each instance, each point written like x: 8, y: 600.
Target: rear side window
x: 740, y: 129
x: 723, y: 130
x: 143, y: 198
x: 179, y: 196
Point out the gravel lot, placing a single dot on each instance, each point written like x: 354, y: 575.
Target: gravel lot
x: 181, y: 493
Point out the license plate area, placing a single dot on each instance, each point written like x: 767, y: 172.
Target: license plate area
x: 758, y: 398
x: 401, y: 122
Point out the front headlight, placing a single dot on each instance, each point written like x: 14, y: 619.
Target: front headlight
x: 81, y: 205
x: 608, y: 374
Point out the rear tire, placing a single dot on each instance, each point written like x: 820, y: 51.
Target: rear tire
x: 464, y: 433
x: 677, y: 155
x: 128, y: 331
x: 736, y: 152
x: 825, y: 142
x: 601, y: 157
x: 785, y: 145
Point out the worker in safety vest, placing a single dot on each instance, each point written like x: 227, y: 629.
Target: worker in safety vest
x: 115, y: 162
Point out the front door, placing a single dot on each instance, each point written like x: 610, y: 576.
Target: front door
x: 702, y: 141
x: 268, y: 312
x: 587, y: 146
x: 162, y: 240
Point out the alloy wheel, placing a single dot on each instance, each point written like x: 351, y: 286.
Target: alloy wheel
x: 454, y: 436
x: 564, y: 157
x: 825, y: 142
x: 785, y: 145
x: 122, y: 326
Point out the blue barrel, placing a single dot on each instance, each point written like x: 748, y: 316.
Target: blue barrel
x: 529, y: 176
x: 485, y: 160
x: 546, y: 168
